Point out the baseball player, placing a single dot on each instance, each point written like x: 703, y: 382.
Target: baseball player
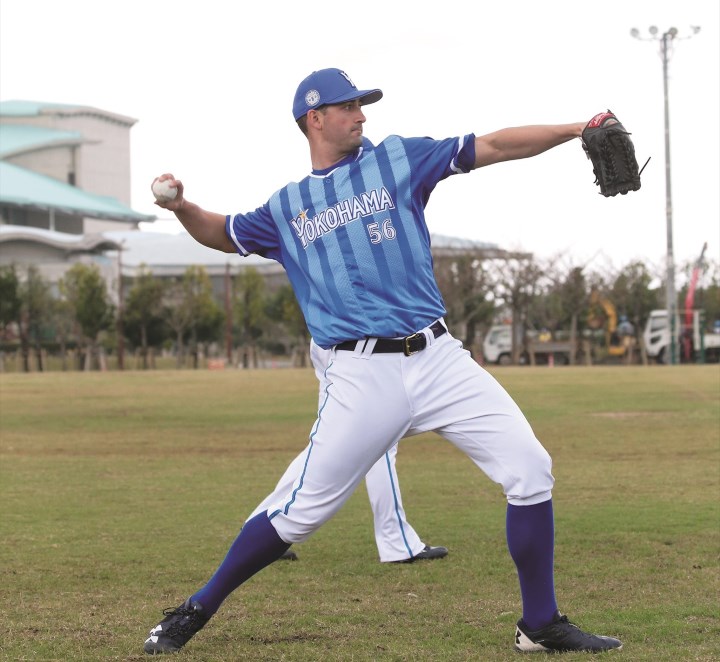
x: 353, y: 239
x: 396, y: 540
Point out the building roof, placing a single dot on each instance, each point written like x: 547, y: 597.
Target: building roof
x: 20, y: 108
x: 445, y: 241
x: 20, y: 139
x: 23, y: 188
x: 165, y: 253
x: 70, y: 243
x: 445, y: 246
x: 168, y: 253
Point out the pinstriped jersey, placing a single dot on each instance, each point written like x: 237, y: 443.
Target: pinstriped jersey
x: 354, y: 241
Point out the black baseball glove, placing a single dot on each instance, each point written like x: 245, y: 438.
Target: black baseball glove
x: 608, y: 145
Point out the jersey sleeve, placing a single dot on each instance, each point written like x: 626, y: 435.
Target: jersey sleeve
x: 254, y: 232
x: 431, y: 160
x: 435, y: 160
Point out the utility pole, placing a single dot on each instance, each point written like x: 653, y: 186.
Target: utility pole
x: 120, y: 328
x: 666, y: 40
x: 228, y: 316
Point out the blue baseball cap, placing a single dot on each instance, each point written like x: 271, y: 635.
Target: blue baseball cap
x: 329, y: 86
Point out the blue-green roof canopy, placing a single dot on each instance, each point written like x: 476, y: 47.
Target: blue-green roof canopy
x: 23, y: 188
x: 19, y: 138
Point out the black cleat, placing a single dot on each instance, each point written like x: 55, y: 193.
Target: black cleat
x: 176, y: 629
x: 428, y: 553
x: 561, y: 636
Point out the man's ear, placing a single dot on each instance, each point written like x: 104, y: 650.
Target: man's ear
x: 314, y: 118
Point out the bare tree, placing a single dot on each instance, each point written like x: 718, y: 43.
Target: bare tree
x: 467, y: 289
x: 518, y: 282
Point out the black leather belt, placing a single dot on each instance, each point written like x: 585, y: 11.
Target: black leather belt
x: 408, y: 345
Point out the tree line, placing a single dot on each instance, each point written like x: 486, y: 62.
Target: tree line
x: 79, y: 319
x: 181, y: 316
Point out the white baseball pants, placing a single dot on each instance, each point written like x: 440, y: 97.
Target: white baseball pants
x: 395, y: 538
x: 371, y: 401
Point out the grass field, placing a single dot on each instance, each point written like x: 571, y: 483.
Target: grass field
x: 122, y: 491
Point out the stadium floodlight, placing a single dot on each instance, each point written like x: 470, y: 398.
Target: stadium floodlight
x: 666, y: 40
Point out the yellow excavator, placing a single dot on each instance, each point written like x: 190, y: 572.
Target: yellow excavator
x: 602, y: 314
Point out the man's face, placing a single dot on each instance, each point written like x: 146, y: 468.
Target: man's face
x: 343, y: 125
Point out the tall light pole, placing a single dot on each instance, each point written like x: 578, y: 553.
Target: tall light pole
x: 120, y: 322
x: 228, y: 315
x: 666, y: 40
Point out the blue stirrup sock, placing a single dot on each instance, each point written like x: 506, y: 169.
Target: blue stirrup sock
x: 531, y: 541
x: 257, y: 546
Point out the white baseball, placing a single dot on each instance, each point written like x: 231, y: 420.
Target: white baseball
x: 162, y: 191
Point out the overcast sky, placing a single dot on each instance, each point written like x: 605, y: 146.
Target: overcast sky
x: 211, y: 84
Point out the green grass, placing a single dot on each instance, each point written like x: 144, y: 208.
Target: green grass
x: 122, y: 491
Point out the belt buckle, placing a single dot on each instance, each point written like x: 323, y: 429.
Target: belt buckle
x: 406, y: 344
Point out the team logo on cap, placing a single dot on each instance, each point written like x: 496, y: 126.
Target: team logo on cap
x: 347, y: 78
x: 312, y: 98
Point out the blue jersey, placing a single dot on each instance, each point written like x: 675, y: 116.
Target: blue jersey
x: 354, y: 241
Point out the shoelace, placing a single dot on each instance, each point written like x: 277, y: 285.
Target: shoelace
x: 564, y: 620
x: 185, y: 625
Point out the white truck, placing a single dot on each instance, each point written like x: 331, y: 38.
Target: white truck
x: 693, y: 344
x: 497, y: 345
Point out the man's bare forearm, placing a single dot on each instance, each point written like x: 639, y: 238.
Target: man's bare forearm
x: 207, y: 228
x: 523, y: 142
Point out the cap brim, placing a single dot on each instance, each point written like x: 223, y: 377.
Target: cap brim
x: 366, y: 97
x: 371, y: 97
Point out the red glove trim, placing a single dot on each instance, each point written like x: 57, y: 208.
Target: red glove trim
x: 600, y: 119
